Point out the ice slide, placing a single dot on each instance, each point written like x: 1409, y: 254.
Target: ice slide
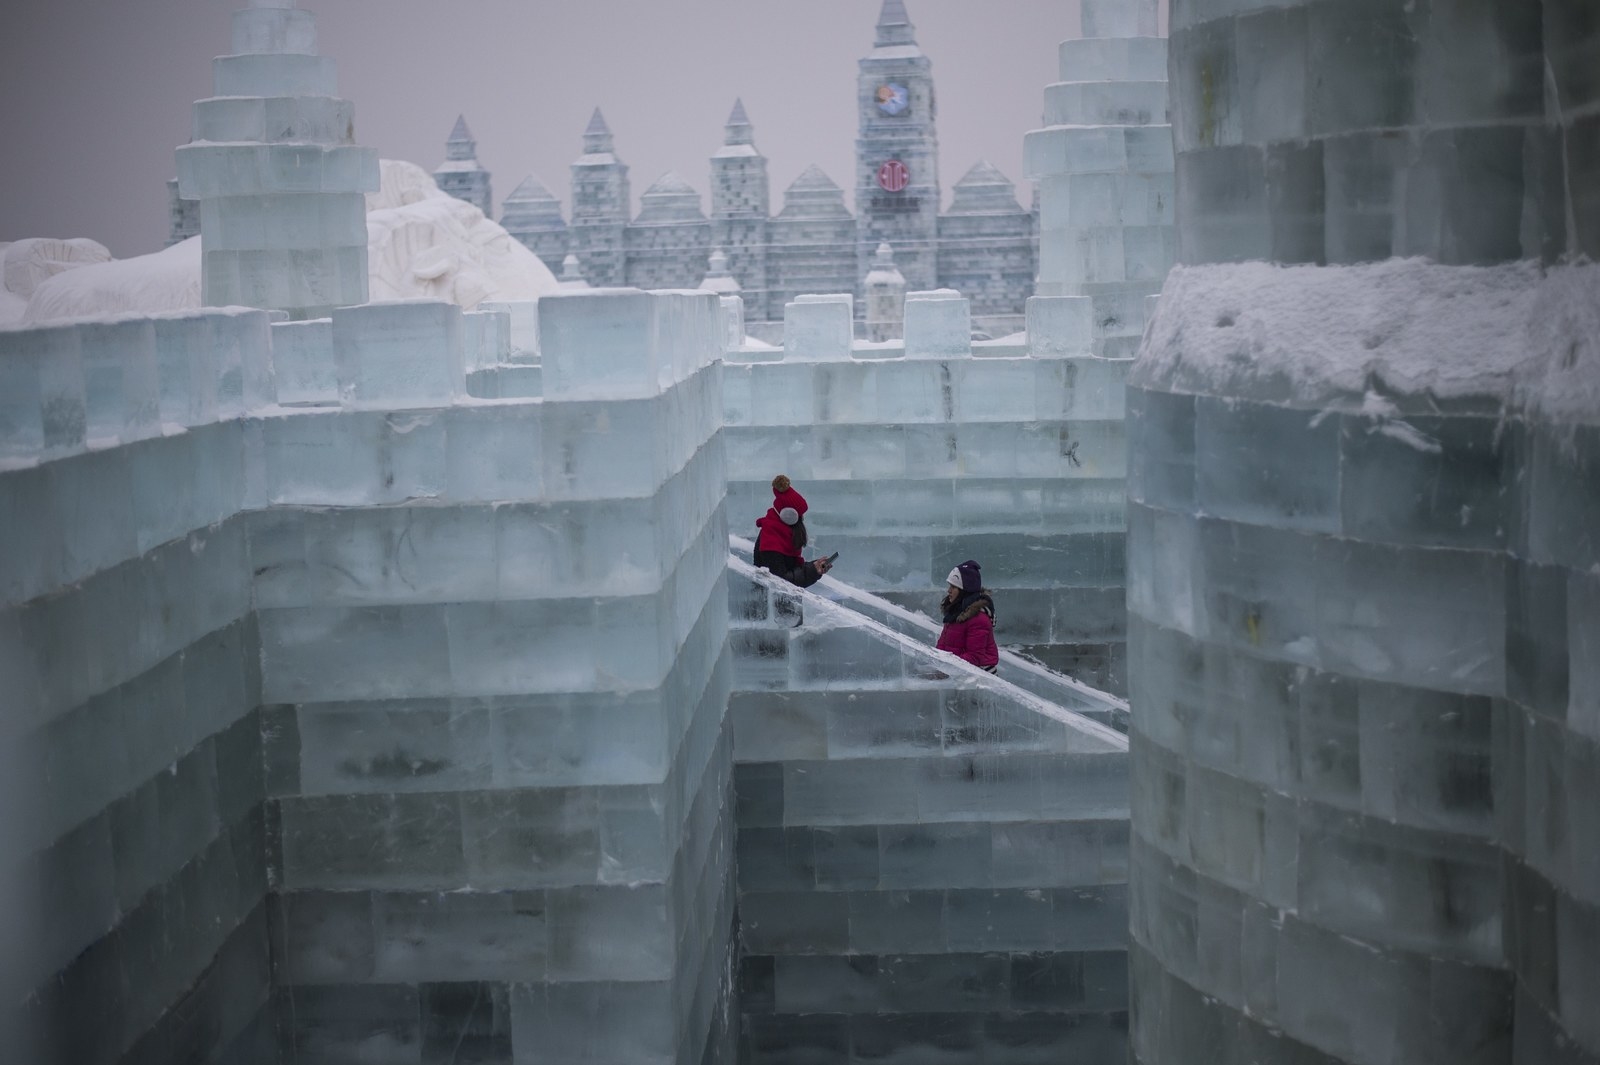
x: 1030, y: 683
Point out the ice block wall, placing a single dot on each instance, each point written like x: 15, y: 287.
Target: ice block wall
x: 918, y: 455
x: 280, y: 180
x: 1364, y: 760
x: 357, y: 716
x: 1547, y: 754
x: 494, y: 668
x: 932, y: 863
x: 1104, y: 166
x: 136, y: 843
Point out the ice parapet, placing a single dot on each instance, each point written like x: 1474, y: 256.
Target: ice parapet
x: 921, y: 454
x: 418, y: 741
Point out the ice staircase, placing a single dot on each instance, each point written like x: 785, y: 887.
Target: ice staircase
x: 932, y: 860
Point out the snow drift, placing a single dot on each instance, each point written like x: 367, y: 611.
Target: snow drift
x: 421, y: 242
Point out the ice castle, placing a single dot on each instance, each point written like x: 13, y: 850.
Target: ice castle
x: 984, y: 245
x: 389, y: 683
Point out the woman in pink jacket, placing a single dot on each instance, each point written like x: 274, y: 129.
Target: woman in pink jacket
x: 969, y: 618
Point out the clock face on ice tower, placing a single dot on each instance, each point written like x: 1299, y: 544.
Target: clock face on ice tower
x: 893, y: 99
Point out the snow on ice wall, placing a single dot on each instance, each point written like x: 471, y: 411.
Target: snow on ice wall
x: 278, y: 174
x: 917, y: 455
x: 1104, y: 166
x: 482, y: 825
x: 1547, y: 758
x: 928, y: 865
x: 1361, y: 583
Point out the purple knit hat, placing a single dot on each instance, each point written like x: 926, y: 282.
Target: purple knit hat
x: 971, y: 576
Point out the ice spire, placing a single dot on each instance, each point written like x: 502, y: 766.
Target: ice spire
x: 718, y: 279
x: 597, y: 135
x: 572, y: 273
x: 461, y: 146
x: 738, y: 129
x: 894, y: 25
x: 532, y: 190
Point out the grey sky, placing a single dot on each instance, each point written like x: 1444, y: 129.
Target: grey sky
x: 97, y: 93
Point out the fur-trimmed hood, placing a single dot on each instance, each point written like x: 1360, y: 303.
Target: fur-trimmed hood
x: 968, y: 607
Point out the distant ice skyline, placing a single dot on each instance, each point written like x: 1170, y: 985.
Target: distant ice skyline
x: 98, y: 94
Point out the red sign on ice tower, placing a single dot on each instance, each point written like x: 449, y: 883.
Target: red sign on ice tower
x: 893, y: 176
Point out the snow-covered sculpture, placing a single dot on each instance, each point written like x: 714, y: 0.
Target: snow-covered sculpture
x: 424, y: 242
x: 421, y: 243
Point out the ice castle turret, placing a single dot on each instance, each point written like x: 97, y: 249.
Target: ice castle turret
x: 461, y: 175
x: 280, y: 179
x: 532, y: 214
x: 986, y: 243
x: 1364, y: 449
x: 670, y: 239
x: 600, y: 206
x: 812, y: 249
x: 740, y: 204
x: 1104, y: 165
x: 886, y: 297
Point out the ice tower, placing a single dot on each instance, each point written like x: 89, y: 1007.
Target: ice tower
x: 600, y: 206
x: 1104, y: 167
x: 986, y: 245
x: 532, y: 214
x: 739, y: 208
x: 668, y: 242
x: 897, y: 153
x: 1364, y: 572
x: 280, y: 179
x: 461, y: 175
x: 812, y: 237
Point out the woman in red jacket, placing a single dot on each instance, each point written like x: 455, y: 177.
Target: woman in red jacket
x: 781, y: 534
x: 969, y: 618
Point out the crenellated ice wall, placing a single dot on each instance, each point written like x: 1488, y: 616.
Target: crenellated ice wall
x: 918, y: 454
x: 324, y: 756
x: 492, y: 646
x: 131, y: 689
x: 1362, y: 506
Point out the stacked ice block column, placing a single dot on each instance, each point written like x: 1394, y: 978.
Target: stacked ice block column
x: 1547, y: 753
x: 932, y: 862
x: 1324, y: 688
x: 493, y: 655
x: 133, y: 791
x: 917, y: 457
x: 1315, y: 638
x: 1103, y: 163
x: 280, y: 180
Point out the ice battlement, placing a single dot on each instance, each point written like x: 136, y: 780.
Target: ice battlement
x: 247, y: 563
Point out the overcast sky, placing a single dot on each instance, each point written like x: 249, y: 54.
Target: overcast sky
x: 97, y: 93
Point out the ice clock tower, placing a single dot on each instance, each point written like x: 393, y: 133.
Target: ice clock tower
x: 897, y: 153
